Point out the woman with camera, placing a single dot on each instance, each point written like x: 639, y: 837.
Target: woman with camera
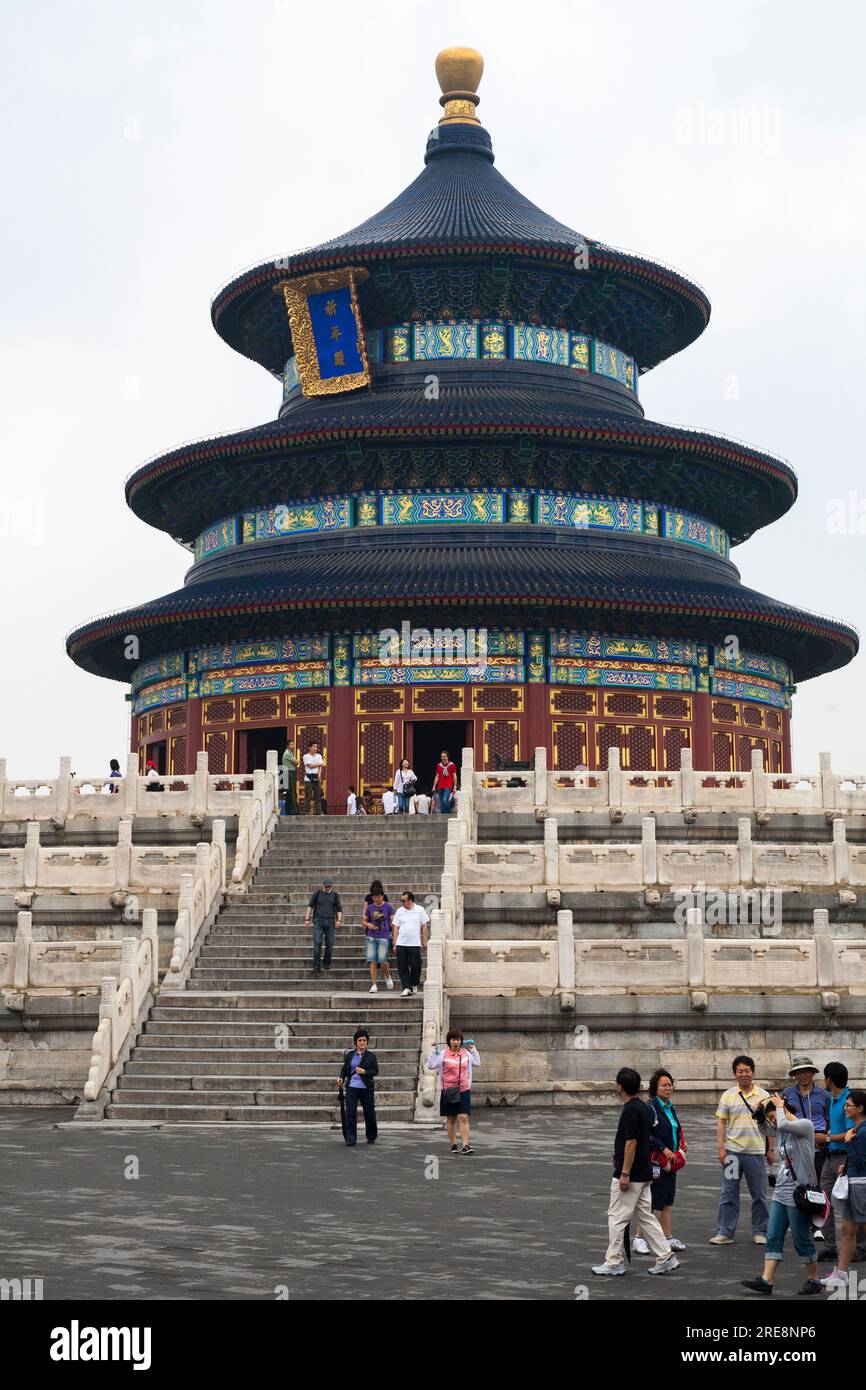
x: 454, y: 1064
x: 795, y: 1202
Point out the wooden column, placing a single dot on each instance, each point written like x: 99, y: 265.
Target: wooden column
x: 702, y: 737
x: 194, y: 740
x: 342, y: 747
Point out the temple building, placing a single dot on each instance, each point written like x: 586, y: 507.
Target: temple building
x: 461, y: 530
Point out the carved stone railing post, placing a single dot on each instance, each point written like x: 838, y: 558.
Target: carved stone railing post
x: 202, y: 861
x: 2, y: 785
x: 614, y: 780
x: 448, y: 902
x: 64, y: 785
x: 201, y: 785
x: 649, y: 849
x: 828, y: 782
x: 272, y: 773
x: 219, y: 839
x: 759, y: 780
x: 108, y: 1011
x: 687, y: 779
x: 745, y: 849
x: 23, y: 940
x: 129, y: 971
x: 31, y: 854
x: 565, y: 953
x: 840, y: 851
x: 551, y: 853
x: 124, y: 855
x: 540, y: 791
x: 130, y: 786
x: 823, y: 947
x: 150, y: 932
x: 695, y: 947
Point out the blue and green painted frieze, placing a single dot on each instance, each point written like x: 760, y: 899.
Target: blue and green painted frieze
x: 492, y: 340
x: 469, y: 507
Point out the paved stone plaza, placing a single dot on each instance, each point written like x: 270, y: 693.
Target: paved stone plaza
x: 235, y: 1213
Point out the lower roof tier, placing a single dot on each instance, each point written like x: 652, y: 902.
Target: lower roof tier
x: 502, y: 435
x: 495, y: 575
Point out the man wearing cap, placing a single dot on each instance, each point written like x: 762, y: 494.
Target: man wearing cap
x: 809, y: 1102
x: 326, y: 912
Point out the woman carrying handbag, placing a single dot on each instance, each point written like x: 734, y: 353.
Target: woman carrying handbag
x: 668, y: 1156
x: 454, y: 1064
x: 405, y: 783
x: 795, y: 1198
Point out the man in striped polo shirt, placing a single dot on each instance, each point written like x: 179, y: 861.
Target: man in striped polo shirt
x: 745, y: 1148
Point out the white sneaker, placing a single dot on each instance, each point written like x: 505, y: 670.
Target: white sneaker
x: 389, y: 983
x: 759, y: 1240
x: 665, y: 1266
x: 639, y: 1246
x: 836, y: 1276
x: 719, y: 1239
x: 374, y: 989
x: 608, y: 1269
x: 414, y: 989
x: 407, y: 994
x: 676, y: 1244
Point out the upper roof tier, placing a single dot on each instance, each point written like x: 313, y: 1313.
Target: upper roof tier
x: 462, y: 242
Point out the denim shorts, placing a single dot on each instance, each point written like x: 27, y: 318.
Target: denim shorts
x: 376, y: 949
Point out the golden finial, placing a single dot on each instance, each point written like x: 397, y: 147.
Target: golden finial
x: 458, y: 71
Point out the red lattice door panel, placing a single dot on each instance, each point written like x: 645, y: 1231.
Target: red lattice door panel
x: 501, y: 742
x: 569, y: 745
x: 177, y: 755
x: 219, y: 749
x: 375, y: 755
x: 723, y: 752
x: 673, y: 741
x: 744, y: 752
x: 609, y: 736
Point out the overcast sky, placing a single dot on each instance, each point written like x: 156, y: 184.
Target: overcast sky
x: 151, y: 153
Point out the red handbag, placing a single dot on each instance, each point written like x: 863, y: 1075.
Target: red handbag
x: 668, y: 1165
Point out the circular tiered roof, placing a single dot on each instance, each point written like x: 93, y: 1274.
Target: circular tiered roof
x: 462, y: 244
x: 514, y: 259
x: 533, y: 575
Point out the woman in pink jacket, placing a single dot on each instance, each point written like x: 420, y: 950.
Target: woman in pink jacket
x: 454, y: 1064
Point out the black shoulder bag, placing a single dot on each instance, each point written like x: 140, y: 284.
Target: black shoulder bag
x: 451, y: 1094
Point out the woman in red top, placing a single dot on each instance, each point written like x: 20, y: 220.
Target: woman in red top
x: 445, y: 782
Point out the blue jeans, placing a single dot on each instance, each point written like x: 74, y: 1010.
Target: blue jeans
x: 754, y: 1168
x: 781, y: 1217
x: 322, y: 931
x: 403, y: 803
x: 445, y: 796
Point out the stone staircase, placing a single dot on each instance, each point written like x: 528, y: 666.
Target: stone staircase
x: 255, y: 1036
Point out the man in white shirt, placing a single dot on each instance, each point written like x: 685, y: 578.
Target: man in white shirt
x: 411, y: 930
x: 313, y: 766
x: 389, y: 802
x: 422, y: 804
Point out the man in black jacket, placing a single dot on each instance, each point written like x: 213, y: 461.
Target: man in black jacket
x: 359, y: 1068
x: 325, y: 910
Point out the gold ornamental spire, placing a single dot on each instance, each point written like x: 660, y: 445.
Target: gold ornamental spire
x: 458, y: 71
